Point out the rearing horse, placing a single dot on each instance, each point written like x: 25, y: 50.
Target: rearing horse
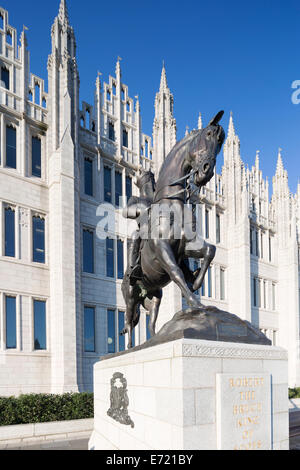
x: 163, y: 257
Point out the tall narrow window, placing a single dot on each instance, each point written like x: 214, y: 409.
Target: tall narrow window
x: 36, y: 157
x: 261, y: 245
x: 125, y: 138
x: 89, y: 329
x: 256, y: 243
x: 273, y: 297
x: 206, y: 223
x: 88, y: 176
x: 265, y: 294
x: 11, y: 147
x: 259, y: 292
x: 107, y: 184
x: 40, y: 336
x: 38, y: 235
x: 128, y: 187
x: 251, y: 241
x: 254, y: 292
x: 118, y: 188
x: 111, y: 131
x: 9, y: 232
x: 9, y: 38
x: 120, y: 258
x: 110, y: 258
x: 11, y: 322
x: 218, y: 229
x: 121, y: 321
x: 148, y: 335
x: 5, y: 77
x: 209, y: 293
x: 270, y: 249
x: 88, y: 251
x: 37, y: 93
x: 111, y: 331
x: 222, y: 284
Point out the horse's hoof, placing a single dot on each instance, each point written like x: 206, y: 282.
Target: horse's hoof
x: 123, y: 332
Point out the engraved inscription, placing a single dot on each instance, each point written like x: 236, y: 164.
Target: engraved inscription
x: 119, y: 400
x: 244, y: 411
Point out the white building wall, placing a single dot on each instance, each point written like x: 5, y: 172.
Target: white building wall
x: 69, y: 133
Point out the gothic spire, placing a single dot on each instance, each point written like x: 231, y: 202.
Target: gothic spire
x: 63, y: 12
x: 163, y: 80
x: 231, y: 130
x: 200, y: 122
x: 279, y: 167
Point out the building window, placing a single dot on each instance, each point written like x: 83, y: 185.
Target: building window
x: 9, y: 232
x: 9, y: 38
x: 118, y: 188
x: 111, y: 131
x: 128, y: 187
x: 110, y: 258
x: 88, y: 251
x: 38, y: 238
x: 265, y: 293
x: 254, y: 292
x: 148, y: 335
x: 261, y: 245
x: 120, y: 258
x: 111, y: 331
x: 107, y: 184
x: 256, y: 243
x: 125, y: 138
x: 11, y: 147
x: 89, y: 329
x: 259, y: 292
x: 36, y: 163
x: 209, y: 285
x: 39, y: 313
x: 222, y: 284
x: 273, y: 297
x: 251, y: 241
x: 5, y: 77
x: 37, y: 93
x: 88, y: 176
x: 218, y: 229
x: 121, y: 325
x: 11, y: 322
x: 270, y: 249
x: 206, y: 223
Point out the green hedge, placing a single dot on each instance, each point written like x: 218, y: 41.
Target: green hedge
x: 29, y: 409
x: 294, y: 392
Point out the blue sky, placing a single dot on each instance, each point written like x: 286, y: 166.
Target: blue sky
x: 232, y: 55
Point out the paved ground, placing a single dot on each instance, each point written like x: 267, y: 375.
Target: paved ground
x: 295, y: 430
x: 76, y: 444
x: 82, y: 444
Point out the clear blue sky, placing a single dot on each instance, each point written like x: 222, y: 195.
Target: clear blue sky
x: 225, y: 54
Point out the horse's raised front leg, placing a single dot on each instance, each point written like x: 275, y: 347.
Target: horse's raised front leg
x: 166, y: 258
x: 207, y: 253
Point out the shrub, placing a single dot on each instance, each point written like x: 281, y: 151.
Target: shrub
x: 44, y: 408
x: 294, y: 392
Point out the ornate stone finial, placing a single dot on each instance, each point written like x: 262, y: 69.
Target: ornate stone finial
x: 257, y: 158
x: 63, y: 12
x: 231, y: 130
x: 279, y: 167
x: 118, y: 66
x: 163, y: 80
x: 187, y: 130
x: 200, y: 126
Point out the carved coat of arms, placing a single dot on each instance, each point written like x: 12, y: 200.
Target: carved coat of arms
x: 119, y: 400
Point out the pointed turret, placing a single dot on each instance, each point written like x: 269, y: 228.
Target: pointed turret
x: 280, y: 180
x: 232, y: 145
x: 231, y: 129
x: 164, y: 127
x: 63, y: 15
x: 200, y: 125
x: 163, y: 81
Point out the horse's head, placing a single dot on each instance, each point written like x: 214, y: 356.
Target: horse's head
x: 203, y: 150
x: 145, y: 181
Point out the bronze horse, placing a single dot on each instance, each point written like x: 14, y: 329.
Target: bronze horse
x: 162, y: 257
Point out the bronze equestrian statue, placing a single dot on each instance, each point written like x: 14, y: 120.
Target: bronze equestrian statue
x: 155, y: 261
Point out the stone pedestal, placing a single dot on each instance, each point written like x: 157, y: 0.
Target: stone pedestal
x: 192, y: 394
